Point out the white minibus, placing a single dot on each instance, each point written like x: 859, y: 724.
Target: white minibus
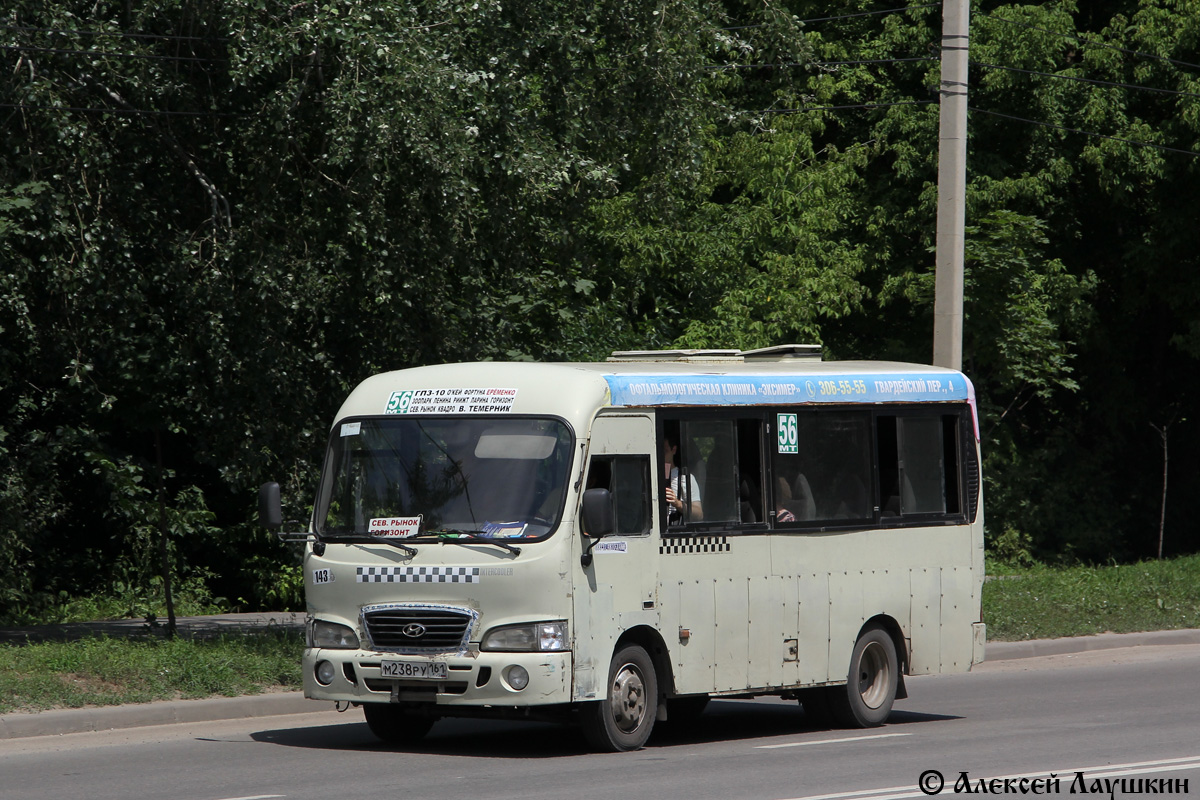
x: 613, y: 544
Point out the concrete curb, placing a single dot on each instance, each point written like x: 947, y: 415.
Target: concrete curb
x: 72, y: 720
x: 1007, y: 651
x: 103, y: 718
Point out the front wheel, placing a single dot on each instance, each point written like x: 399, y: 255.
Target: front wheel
x: 871, y: 683
x: 395, y: 725
x: 624, y: 719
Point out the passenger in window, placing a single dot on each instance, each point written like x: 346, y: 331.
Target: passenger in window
x: 783, y: 497
x: 677, y: 505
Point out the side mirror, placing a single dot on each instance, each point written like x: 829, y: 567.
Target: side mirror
x: 598, y: 518
x: 270, y: 512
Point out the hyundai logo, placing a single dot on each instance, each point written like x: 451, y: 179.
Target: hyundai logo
x: 413, y: 630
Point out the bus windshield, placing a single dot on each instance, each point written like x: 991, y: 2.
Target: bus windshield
x: 413, y: 477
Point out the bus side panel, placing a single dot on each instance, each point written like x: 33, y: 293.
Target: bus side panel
x: 976, y: 611
x: 813, y: 593
x: 957, y: 613
x: 845, y: 619
x: 695, y: 659
x: 889, y: 593
x: 766, y: 632
x: 732, y: 633
x: 789, y: 626
x: 926, y: 630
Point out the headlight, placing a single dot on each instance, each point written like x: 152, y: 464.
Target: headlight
x: 331, y: 635
x: 538, y: 636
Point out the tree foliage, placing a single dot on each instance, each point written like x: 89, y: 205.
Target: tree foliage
x: 215, y: 218
x: 222, y: 216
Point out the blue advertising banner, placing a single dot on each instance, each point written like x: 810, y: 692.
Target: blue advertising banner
x: 749, y: 390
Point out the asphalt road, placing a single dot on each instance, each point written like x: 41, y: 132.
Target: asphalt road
x: 1119, y: 713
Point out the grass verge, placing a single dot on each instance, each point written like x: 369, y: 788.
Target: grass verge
x: 1048, y: 602
x: 105, y: 671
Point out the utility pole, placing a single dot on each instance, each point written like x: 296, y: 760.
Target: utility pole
x: 952, y: 186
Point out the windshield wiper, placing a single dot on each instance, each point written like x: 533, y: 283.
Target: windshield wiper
x: 359, y: 539
x: 455, y: 536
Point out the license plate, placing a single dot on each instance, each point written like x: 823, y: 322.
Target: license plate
x: 421, y: 670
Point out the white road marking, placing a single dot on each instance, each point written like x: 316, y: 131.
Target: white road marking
x: 256, y: 797
x: 1065, y: 776
x: 831, y: 741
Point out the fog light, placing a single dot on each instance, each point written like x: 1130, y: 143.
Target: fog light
x: 324, y: 673
x: 517, y: 677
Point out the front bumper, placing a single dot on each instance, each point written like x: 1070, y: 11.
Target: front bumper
x: 474, y: 679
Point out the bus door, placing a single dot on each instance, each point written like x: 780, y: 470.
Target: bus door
x: 620, y: 586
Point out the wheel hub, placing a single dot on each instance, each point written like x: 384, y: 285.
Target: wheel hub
x: 628, y: 698
x: 874, y: 676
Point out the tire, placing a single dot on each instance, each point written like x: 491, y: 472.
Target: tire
x: 395, y: 725
x: 624, y: 719
x: 870, y: 690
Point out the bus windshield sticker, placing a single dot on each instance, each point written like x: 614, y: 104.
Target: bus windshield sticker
x: 504, y: 530
x: 611, y: 547
x: 709, y: 390
x: 351, y: 429
x: 452, y: 401
x: 399, y: 527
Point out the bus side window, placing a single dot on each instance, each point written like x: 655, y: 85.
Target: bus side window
x: 951, y: 441
x: 717, y: 470
x: 918, y: 464
x: 845, y: 440
x: 627, y: 478
x: 716, y: 440
x: 826, y: 475
x: 682, y: 470
x: 750, y: 470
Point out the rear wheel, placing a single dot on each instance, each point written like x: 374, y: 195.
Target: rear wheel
x: 624, y: 719
x: 866, y: 700
x: 395, y: 725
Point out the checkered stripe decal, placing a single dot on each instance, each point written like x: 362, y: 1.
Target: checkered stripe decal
x: 695, y: 544
x: 417, y: 575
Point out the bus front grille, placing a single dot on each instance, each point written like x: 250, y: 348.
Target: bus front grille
x: 418, y: 629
